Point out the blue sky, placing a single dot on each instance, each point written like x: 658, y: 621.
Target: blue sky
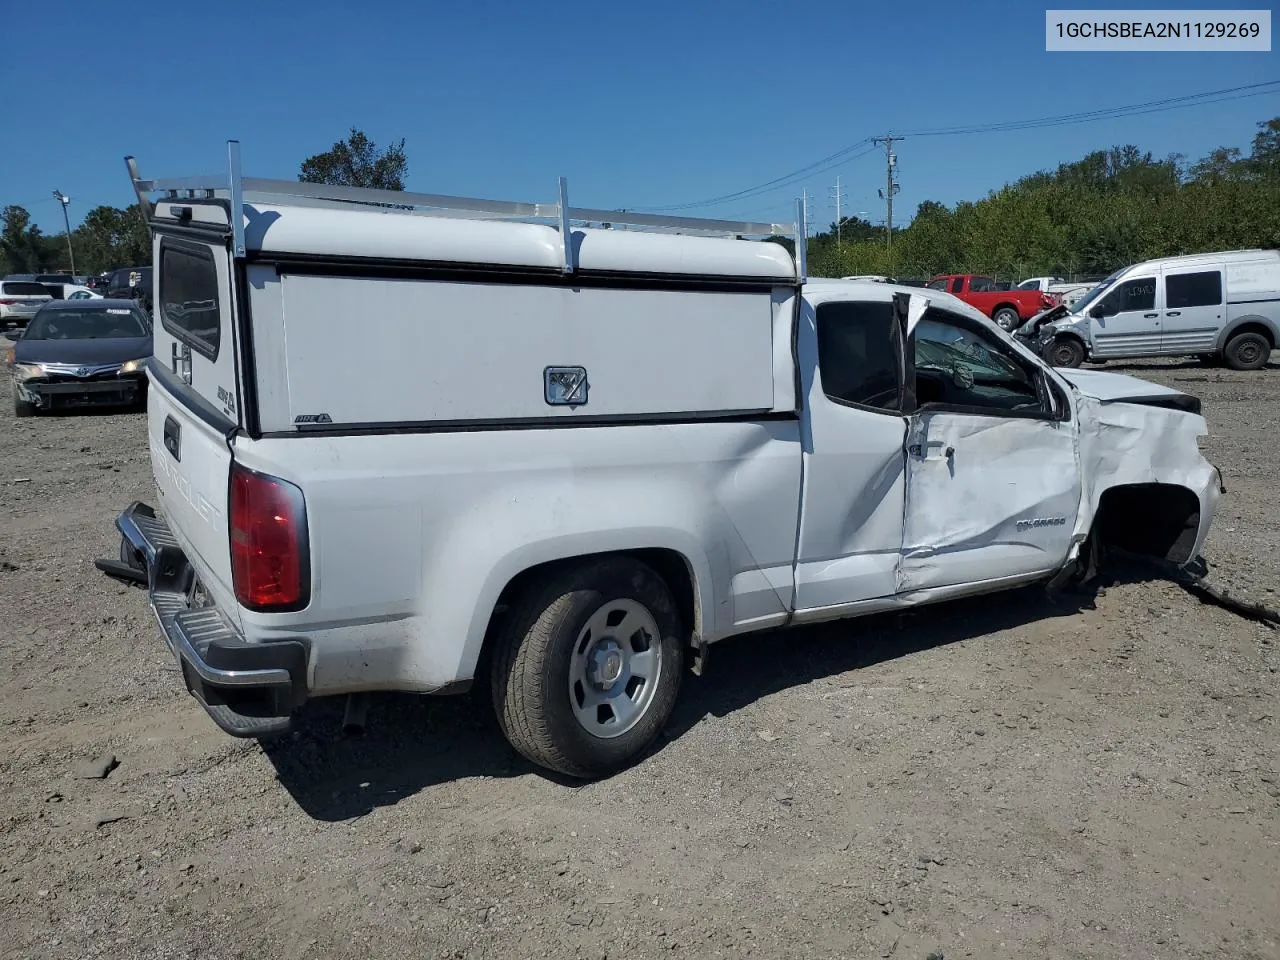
x: 639, y: 104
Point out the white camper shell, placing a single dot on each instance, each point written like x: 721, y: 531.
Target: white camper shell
x: 410, y: 442
x: 1221, y: 307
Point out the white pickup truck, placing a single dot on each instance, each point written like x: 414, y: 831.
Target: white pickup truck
x: 408, y: 442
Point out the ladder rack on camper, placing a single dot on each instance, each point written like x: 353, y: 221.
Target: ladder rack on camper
x: 238, y: 190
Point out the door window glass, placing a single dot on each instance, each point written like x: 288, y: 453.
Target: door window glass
x: 959, y: 367
x: 1137, y: 294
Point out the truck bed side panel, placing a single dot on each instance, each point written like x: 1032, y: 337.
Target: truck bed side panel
x: 414, y: 535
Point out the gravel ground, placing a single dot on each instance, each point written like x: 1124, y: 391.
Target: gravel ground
x: 1006, y: 777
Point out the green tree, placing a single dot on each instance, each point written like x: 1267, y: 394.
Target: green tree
x: 23, y: 245
x: 357, y: 162
x: 110, y: 237
x: 1110, y: 208
x: 1264, y: 162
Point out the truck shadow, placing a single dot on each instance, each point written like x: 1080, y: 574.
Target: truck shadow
x: 413, y: 742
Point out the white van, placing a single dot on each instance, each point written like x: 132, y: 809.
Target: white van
x: 1217, y: 306
x: 410, y: 442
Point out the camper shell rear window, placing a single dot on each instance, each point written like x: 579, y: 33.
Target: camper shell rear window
x: 189, y: 302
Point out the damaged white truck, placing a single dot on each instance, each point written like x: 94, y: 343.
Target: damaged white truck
x: 409, y: 442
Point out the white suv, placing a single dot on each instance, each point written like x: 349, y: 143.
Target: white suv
x: 20, y: 299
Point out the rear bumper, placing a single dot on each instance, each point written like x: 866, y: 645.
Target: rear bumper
x: 249, y: 689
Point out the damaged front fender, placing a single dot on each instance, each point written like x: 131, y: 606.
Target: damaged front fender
x: 1146, y: 486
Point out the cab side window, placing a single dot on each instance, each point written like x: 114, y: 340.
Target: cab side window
x: 957, y: 285
x: 961, y: 366
x: 1136, y: 294
x: 858, y: 355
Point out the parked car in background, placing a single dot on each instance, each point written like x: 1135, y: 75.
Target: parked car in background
x: 1008, y: 308
x: 1217, y: 306
x: 1065, y: 291
x: 20, y: 299
x: 1039, y: 283
x: 130, y: 283
x: 98, y: 284
x: 56, y: 279
x: 77, y: 292
x: 78, y: 353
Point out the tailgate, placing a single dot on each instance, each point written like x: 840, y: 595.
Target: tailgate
x: 193, y: 402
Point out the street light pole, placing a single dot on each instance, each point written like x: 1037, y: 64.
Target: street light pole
x: 65, y: 200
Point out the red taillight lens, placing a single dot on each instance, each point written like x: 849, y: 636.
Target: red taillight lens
x: 268, y: 542
x: 8, y: 303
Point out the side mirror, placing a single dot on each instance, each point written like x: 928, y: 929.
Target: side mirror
x: 1098, y: 312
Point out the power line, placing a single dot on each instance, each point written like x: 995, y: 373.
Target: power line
x: 850, y: 153
x: 1106, y: 113
x: 786, y: 180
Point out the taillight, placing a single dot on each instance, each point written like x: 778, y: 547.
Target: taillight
x: 8, y: 303
x: 269, y: 564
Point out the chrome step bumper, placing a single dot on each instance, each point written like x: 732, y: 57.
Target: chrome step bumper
x: 249, y: 689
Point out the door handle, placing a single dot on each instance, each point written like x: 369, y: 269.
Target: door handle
x: 1150, y: 315
x: 922, y: 450
x: 1173, y: 313
x: 173, y: 438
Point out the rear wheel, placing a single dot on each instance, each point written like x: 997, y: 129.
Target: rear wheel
x: 1007, y: 318
x: 587, y: 666
x: 1247, y: 351
x: 1065, y: 352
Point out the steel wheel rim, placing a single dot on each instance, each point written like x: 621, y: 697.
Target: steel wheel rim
x: 1062, y: 356
x: 1248, y: 352
x: 1006, y: 322
x: 615, y: 668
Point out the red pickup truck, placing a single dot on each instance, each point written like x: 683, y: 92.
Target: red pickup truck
x: 1009, y: 308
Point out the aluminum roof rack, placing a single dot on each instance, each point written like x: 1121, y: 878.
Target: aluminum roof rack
x: 238, y: 189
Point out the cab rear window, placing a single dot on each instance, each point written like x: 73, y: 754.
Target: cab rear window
x: 189, y: 307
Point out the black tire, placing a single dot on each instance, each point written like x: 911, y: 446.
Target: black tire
x: 1247, y: 351
x: 533, y: 656
x: 1065, y: 352
x: 21, y: 408
x: 1007, y: 319
x: 130, y: 556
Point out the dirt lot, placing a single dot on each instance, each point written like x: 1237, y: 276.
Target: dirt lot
x: 1003, y: 778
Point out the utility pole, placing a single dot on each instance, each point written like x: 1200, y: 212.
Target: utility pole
x: 839, y: 223
x: 891, y: 187
x: 804, y: 199
x: 64, y: 200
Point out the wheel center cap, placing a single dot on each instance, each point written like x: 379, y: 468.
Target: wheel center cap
x: 607, y: 664
x: 611, y: 669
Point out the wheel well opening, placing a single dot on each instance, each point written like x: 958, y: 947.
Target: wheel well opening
x: 1254, y: 327
x: 668, y: 564
x: 1156, y: 519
